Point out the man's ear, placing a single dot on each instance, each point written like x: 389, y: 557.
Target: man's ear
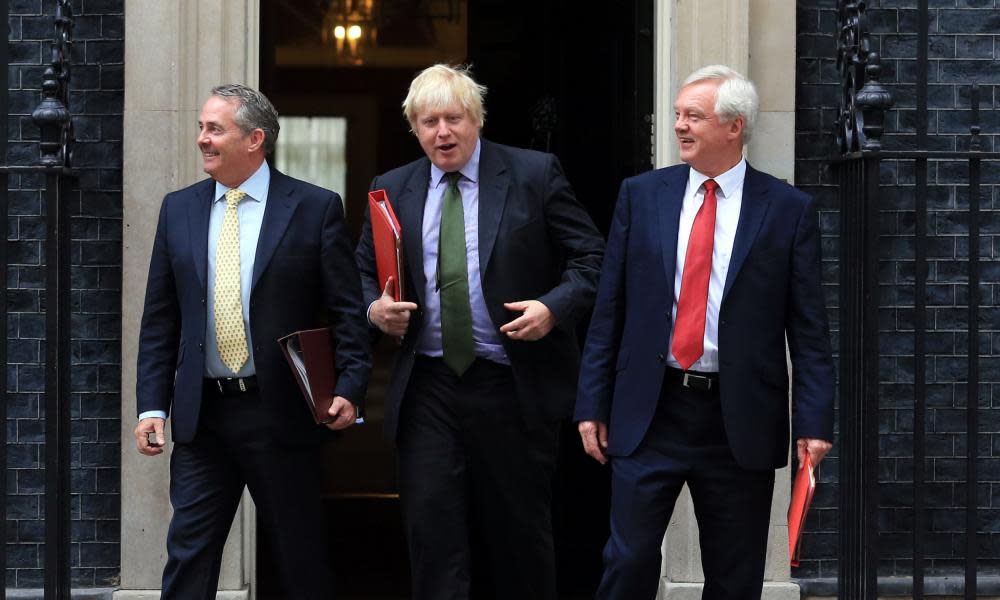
x: 256, y: 140
x: 736, y: 127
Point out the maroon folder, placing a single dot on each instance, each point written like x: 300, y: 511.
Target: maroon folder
x: 388, y: 240
x: 310, y: 355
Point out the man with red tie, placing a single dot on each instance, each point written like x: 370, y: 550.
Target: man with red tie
x: 710, y: 268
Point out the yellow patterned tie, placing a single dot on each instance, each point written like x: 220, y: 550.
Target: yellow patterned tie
x: 230, y: 336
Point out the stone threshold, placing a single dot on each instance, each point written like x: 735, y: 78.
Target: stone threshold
x: 112, y: 594
x: 75, y: 593
x: 987, y: 586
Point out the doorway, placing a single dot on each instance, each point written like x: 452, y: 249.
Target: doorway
x: 574, y: 81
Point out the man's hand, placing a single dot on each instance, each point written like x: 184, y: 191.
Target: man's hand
x: 142, y: 431
x: 343, y: 412
x: 595, y: 439
x: 535, y: 322
x: 392, y: 317
x: 816, y: 449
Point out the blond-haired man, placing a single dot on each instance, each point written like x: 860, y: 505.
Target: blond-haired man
x: 501, y: 262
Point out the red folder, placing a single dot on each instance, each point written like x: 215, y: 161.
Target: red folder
x: 310, y: 355
x: 802, y: 494
x: 388, y: 239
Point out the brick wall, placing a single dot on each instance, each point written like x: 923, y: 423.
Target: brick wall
x: 97, y: 90
x: 962, y: 47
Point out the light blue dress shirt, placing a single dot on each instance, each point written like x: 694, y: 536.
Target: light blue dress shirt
x: 485, y: 336
x: 250, y: 212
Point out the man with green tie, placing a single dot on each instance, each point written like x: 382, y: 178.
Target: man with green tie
x: 501, y: 261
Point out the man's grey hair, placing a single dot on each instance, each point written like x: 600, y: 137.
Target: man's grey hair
x: 736, y: 96
x: 254, y: 111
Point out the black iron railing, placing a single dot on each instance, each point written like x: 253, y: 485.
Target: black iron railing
x: 864, y: 103
x: 54, y: 162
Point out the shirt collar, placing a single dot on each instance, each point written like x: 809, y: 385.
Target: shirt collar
x: 470, y: 171
x: 255, y: 187
x: 728, y: 182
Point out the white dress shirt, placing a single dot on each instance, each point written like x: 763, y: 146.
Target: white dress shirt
x: 729, y: 197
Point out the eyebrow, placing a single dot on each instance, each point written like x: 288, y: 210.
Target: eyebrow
x: 689, y: 109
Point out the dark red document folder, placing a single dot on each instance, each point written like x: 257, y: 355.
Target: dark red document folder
x: 310, y: 355
x: 388, y: 240
x: 802, y: 493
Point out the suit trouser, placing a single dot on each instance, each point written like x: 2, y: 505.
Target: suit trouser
x: 476, y: 486
x: 686, y: 443
x: 235, y: 446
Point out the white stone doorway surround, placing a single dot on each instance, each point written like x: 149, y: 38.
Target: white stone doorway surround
x: 176, y: 51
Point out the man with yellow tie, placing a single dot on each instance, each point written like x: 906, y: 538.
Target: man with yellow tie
x: 238, y: 261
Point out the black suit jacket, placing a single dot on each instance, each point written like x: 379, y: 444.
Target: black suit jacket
x: 304, y: 277
x: 535, y: 242
x: 772, y: 291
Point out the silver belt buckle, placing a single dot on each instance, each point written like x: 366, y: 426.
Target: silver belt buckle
x: 243, y: 386
x: 696, y: 382
x: 218, y: 384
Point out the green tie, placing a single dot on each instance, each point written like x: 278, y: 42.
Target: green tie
x: 453, y: 282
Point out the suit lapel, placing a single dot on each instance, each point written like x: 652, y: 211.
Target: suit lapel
x: 752, y: 210
x: 281, y: 203
x: 493, y: 183
x: 669, y: 216
x: 199, y: 212
x: 409, y: 208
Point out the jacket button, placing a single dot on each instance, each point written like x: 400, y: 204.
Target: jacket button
x: 201, y: 346
x: 659, y: 357
x: 203, y: 302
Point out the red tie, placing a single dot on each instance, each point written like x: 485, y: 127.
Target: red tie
x: 689, y: 327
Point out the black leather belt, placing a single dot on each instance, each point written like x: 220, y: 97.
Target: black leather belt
x: 231, y: 385
x: 693, y: 380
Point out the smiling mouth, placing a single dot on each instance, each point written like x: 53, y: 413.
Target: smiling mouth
x: 209, y: 154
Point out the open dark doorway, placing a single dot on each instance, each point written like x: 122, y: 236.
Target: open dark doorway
x: 564, y: 78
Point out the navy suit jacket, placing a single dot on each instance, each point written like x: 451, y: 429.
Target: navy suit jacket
x: 772, y: 290
x: 536, y: 242
x: 304, y: 277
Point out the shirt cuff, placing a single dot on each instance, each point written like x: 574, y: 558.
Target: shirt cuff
x: 153, y: 413
x: 368, y: 314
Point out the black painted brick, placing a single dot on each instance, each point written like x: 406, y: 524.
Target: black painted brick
x: 968, y: 21
x: 968, y: 46
x: 99, y: 52
x: 96, y: 94
x: 103, y: 7
x: 24, y: 7
x: 24, y: 53
x: 957, y: 55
